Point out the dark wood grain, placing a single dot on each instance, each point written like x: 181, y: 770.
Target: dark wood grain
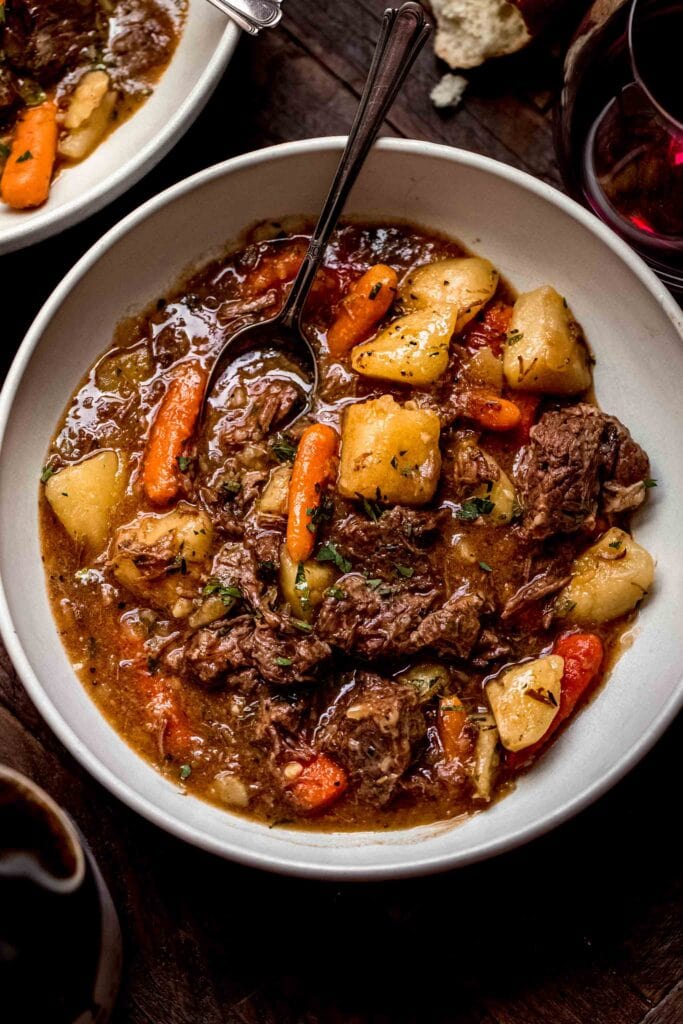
x: 581, y: 926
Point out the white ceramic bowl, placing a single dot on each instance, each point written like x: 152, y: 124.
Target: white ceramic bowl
x: 201, y: 57
x: 533, y: 234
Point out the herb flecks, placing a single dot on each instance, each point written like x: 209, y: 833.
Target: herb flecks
x: 283, y: 449
x: 473, y: 508
x: 330, y: 553
x: 227, y: 593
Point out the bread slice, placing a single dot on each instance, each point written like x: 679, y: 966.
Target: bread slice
x: 471, y: 31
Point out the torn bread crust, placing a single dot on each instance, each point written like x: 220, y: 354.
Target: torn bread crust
x: 471, y: 31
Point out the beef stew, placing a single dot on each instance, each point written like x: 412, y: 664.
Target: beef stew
x: 374, y: 615
x: 71, y: 71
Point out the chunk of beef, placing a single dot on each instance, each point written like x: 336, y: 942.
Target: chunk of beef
x: 236, y: 564
x: 371, y: 730
x: 253, y: 410
x: 400, y: 536
x: 451, y: 629
x: 575, y: 457
x: 44, y: 40
x: 218, y: 653
x: 369, y: 622
x: 143, y: 37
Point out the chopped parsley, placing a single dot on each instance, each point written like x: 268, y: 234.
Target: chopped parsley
x: 184, y: 463
x: 375, y: 290
x: 329, y: 553
x: 514, y: 336
x: 336, y: 592
x: 228, y: 594
x: 485, y: 566
x: 564, y: 607
x: 304, y: 627
x: 283, y: 449
x: 323, y: 511
x: 372, y: 509
x: 185, y: 771
x: 404, y: 570
x: 649, y: 483
x: 48, y: 471
x: 5, y: 150
x: 283, y: 662
x: 474, y: 507
x: 177, y: 565
x: 615, y: 544
x: 28, y: 155
x: 230, y: 489
x: 301, y: 586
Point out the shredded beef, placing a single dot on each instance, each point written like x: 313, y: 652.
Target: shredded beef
x: 575, y: 456
x: 451, y: 629
x: 143, y: 38
x: 253, y: 411
x: 371, y: 730
x: 370, y: 623
x: 44, y: 40
x: 399, y: 537
x: 217, y: 653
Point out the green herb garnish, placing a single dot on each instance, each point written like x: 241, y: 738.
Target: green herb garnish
x: 474, y: 507
x: 283, y: 449
x: 329, y: 553
x: 283, y: 662
x: 649, y: 483
x: 404, y: 570
x: 185, y: 771
x: 485, y: 566
x: 301, y: 586
x: 28, y: 155
x: 227, y: 593
x: 48, y: 471
x: 184, y: 463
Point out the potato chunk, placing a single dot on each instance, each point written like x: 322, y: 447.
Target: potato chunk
x: 412, y: 350
x: 82, y: 140
x: 304, y: 584
x: 86, y: 97
x: 462, y: 285
x: 275, y: 497
x: 608, y: 580
x: 525, y: 699
x: 544, y: 349
x: 389, y: 452
x: 158, y: 557
x: 84, y: 495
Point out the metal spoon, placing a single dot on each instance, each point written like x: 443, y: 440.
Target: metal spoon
x: 251, y: 15
x: 404, y: 32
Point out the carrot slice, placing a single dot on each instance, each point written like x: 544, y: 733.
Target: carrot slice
x: 364, y: 305
x: 276, y: 268
x: 163, y: 709
x: 321, y: 783
x: 527, y: 404
x: 451, y: 726
x: 583, y: 655
x: 173, y: 426
x: 313, y: 467
x: 28, y: 171
x: 492, y: 412
x: 490, y: 331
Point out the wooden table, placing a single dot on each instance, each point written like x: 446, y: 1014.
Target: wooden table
x: 581, y: 926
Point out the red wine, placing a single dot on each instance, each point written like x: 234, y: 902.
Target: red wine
x: 620, y: 134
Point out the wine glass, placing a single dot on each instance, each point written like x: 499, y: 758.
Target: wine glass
x: 620, y: 127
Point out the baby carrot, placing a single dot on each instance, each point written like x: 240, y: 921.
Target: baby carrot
x: 492, y: 412
x: 320, y: 783
x: 276, y: 268
x: 451, y: 723
x: 364, y: 305
x: 528, y: 404
x: 172, y: 427
x: 313, y: 467
x: 28, y: 171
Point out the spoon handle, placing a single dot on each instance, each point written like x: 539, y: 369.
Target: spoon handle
x: 404, y: 32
